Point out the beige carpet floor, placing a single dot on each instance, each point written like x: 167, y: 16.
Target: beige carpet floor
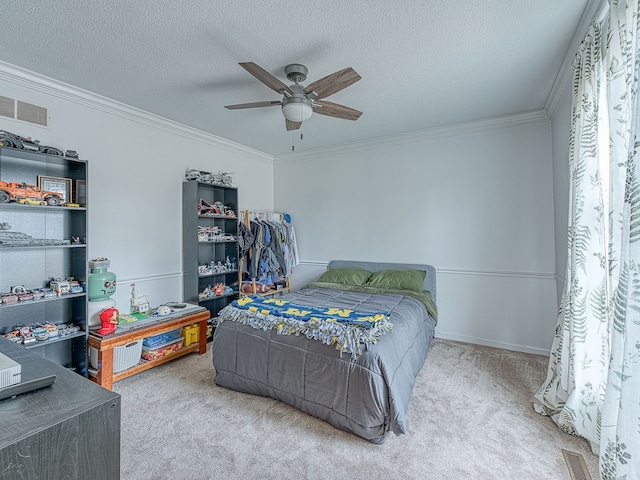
x: 470, y: 417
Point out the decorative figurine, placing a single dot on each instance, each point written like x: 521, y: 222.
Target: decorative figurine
x: 139, y: 303
x: 218, y: 289
x: 101, y: 285
x: 109, y: 319
x: 220, y: 178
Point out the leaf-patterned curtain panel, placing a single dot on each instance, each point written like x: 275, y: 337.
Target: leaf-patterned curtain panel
x: 593, y: 380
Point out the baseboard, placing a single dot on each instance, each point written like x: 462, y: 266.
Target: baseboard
x: 492, y: 343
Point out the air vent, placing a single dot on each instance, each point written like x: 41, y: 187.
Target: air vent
x: 27, y: 112
x: 7, y: 107
x: 576, y: 465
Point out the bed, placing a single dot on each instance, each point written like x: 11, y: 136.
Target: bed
x: 367, y: 392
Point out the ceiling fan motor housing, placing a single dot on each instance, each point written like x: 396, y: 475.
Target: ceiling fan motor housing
x: 296, y: 72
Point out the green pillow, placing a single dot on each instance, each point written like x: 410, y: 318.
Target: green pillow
x: 398, y: 280
x: 347, y: 276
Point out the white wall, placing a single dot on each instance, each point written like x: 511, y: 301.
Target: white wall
x: 136, y: 169
x: 561, y: 124
x: 474, y: 200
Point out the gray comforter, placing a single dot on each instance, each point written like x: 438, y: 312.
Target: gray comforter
x: 368, y: 396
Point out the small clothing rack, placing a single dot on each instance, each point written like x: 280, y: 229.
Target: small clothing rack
x: 268, y: 252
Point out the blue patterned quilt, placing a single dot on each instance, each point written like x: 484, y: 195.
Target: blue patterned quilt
x: 350, y: 331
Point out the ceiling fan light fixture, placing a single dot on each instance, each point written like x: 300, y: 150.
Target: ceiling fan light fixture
x: 297, y: 109
x: 298, y: 102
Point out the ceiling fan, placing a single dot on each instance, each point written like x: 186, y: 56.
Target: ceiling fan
x: 299, y: 102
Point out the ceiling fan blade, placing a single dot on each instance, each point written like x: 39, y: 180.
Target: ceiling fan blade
x: 333, y: 83
x: 253, y: 105
x: 336, y: 110
x: 292, y: 125
x: 265, y: 77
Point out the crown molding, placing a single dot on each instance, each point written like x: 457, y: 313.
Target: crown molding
x: 418, y: 136
x: 64, y: 91
x: 562, y: 83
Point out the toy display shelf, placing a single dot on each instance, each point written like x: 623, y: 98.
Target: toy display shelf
x: 49, y: 341
x: 208, y: 275
x: 29, y: 260
x: 58, y: 298
x: 40, y: 207
x: 226, y: 240
x: 39, y: 247
x: 197, y: 253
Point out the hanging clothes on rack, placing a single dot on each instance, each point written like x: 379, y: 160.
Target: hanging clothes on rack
x: 268, y: 246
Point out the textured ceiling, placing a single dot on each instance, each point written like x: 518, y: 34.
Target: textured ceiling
x: 423, y: 63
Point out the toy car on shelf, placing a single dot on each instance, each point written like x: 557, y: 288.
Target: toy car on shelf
x: 45, y: 292
x: 40, y: 333
x: 22, y: 293
x: 51, y: 328
x: 23, y: 297
x: 8, y: 139
x: 37, y: 294
x: 27, y: 336
x: 16, y: 191
x: 14, y: 336
x: 75, y: 287
x: 8, y: 298
x: 28, y: 144
x: 31, y: 201
x: 60, y: 286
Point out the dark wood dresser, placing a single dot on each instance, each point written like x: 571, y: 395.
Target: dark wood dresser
x: 70, y: 430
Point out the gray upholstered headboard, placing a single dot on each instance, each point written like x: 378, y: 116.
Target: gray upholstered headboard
x: 429, y: 279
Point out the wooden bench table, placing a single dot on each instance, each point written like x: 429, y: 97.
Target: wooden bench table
x: 127, y: 333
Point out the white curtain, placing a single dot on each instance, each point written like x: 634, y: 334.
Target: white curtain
x: 620, y: 436
x: 573, y: 393
x: 593, y: 382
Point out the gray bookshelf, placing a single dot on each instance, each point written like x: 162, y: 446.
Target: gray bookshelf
x: 33, y: 265
x: 199, y: 253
